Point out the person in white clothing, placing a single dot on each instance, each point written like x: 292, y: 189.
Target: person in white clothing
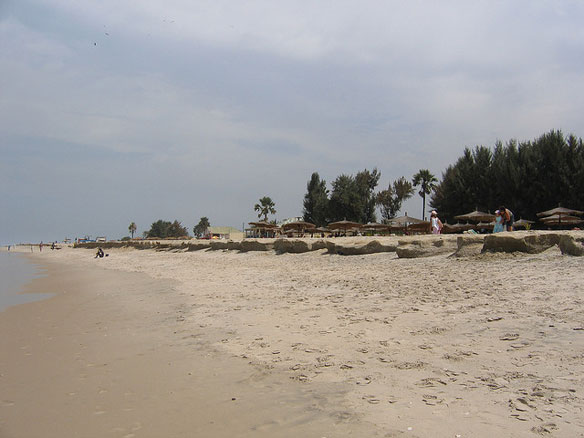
x: 436, y: 223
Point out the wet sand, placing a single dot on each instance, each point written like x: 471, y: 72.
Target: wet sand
x: 158, y: 344
x: 108, y: 356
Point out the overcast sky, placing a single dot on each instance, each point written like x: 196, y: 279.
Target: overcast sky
x: 139, y: 110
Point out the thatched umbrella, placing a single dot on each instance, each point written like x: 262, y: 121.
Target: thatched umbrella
x: 457, y: 228
x: 557, y: 220
x: 476, y: 216
x: 522, y: 223
x: 263, y: 226
x: 319, y: 230
x: 406, y: 221
x: 560, y: 211
x: 344, y: 225
x: 299, y: 226
x: 560, y: 216
x: 375, y: 227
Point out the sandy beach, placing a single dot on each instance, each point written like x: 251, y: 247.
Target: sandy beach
x: 221, y: 343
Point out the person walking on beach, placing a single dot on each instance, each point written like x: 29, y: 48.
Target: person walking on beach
x: 507, y: 217
x: 435, y: 222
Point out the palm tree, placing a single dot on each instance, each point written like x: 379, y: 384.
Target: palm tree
x: 427, y: 183
x: 265, y: 207
x: 132, y: 229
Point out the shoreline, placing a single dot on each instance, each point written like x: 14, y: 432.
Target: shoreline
x: 106, y: 356
x: 16, y: 271
x: 378, y: 345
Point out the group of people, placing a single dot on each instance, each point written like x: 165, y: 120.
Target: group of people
x: 504, y: 220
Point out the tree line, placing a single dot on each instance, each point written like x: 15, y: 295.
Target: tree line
x: 162, y: 229
x: 527, y: 177
x: 353, y: 197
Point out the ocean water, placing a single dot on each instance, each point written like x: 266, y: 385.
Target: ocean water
x: 15, y: 272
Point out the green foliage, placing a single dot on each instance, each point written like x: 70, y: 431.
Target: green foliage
x: 125, y: 238
x: 391, y: 199
x: 200, y: 229
x: 353, y: 197
x: 265, y: 207
x: 366, y: 183
x: 316, y: 202
x: 427, y: 182
x: 344, y: 201
x: 132, y: 229
x: 527, y: 177
x: 163, y: 229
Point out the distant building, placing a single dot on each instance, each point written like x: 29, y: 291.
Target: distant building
x: 223, y: 233
x: 290, y: 220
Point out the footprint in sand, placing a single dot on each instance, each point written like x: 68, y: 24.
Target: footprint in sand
x: 509, y: 337
x: 371, y: 399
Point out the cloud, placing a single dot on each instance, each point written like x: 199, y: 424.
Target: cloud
x: 200, y: 108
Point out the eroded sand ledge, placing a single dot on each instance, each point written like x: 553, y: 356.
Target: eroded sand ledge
x: 530, y: 242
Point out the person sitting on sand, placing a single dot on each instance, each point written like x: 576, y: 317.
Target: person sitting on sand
x: 99, y: 253
x: 436, y: 223
x: 508, y: 218
x: 498, y: 222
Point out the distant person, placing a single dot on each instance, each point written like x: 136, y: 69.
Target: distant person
x: 508, y: 218
x: 436, y: 223
x: 41, y: 246
x: 99, y: 253
x: 498, y: 222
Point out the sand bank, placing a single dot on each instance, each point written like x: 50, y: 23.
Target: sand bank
x: 530, y: 242
x: 481, y: 346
